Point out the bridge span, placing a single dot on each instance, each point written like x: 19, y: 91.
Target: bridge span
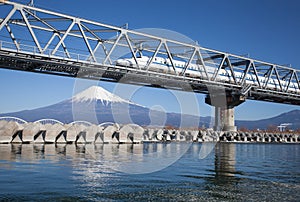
x: 47, y: 42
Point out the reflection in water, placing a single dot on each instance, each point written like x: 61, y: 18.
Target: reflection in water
x: 223, y: 182
x: 128, y: 158
x: 225, y: 170
x: 54, y: 152
x: 218, y: 168
x: 120, y: 157
x: 68, y: 172
x: 225, y: 160
x: 224, y: 153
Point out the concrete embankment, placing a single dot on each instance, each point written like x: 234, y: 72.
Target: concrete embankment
x: 13, y: 132
x: 276, y: 137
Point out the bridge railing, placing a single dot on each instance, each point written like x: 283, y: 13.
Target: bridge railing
x: 29, y: 49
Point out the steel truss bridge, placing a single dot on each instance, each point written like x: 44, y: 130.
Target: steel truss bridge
x: 43, y: 41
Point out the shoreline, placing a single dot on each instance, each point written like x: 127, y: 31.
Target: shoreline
x: 13, y: 132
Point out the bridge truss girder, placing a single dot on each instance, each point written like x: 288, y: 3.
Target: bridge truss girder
x: 38, y: 40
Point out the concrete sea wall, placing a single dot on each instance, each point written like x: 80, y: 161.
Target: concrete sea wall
x: 13, y: 132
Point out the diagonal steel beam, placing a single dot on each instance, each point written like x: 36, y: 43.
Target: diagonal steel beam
x: 92, y: 33
x: 56, y: 32
x: 7, y: 18
x: 94, y: 51
x: 256, y: 74
x: 86, y: 41
x: 99, y: 42
x: 112, y: 48
x: 286, y: 75
x: 246, y: 72
x: 132, y: 51
x: 51, y: 30
x: 268, y: 76
x: 218, y: 70
x: 12, y: 36
x: 154, y: 55
x: 31, y: 31
x: 231, y: 70
x: 189, y: 62
x: 170, y: 56
x: 49, y: 42
x: 63, y: 44
x: 202, y: 63
x: 289, y: 81
x: 105, y: 51
x: 278, y: 78
x: 63, y: 38
x: 297, y: 80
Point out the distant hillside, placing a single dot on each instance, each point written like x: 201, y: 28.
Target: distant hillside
x: 292, y: 117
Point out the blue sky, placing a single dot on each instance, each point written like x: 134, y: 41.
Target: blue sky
x: 268, y: 30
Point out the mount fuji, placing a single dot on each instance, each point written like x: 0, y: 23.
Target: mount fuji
x: 97, y: 105
x: 96, y: 93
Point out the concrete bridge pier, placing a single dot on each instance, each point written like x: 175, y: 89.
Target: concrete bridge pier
x: 224, y: 103
x: 224, y: 119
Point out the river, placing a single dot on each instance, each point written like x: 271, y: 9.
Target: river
x: 150, y: 172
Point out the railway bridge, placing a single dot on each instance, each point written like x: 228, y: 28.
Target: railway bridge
x: 47, y: 42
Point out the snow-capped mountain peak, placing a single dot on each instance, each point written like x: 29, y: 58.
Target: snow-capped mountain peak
x: 98, y: 93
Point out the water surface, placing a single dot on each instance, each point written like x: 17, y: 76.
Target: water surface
x: 231, y: 172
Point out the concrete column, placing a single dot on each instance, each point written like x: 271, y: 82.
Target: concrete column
x: 224, y: 104
x: 218, y: 120
x: 228, y: 119
x: 224, y: 119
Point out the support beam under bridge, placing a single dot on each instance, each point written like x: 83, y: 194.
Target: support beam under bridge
x: 224, y: 103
